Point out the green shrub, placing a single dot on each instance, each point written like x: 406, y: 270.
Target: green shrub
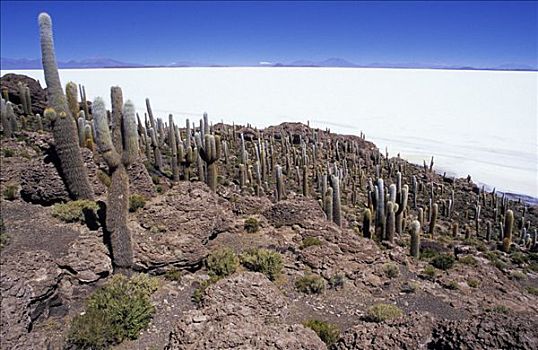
x: 252, y: 225
x: 336, y: 281
x: 327, y: 332
x: 519, y: 258
x: 469, y: 260
x: 263, y: 260
x: 173, y: 275
x: 155, y: 179
x: 117, y: 311
x: 4, y: 238
x: 443, y: 261
x: 222, y: 262
x: 310, y: 241
x: 473, y: 283
x: 8, y: 152
x: 159, y: 189
x: 11, y: 192
x: 427, y: 254
x: 518, y: 275
x: 452, y: 285
x: 391, y: 270
x: 136, y: 202
x: 533, y: 266
x: 198, y: 294
x: 500, y: 309
x: 429, y: 272
x: 383, y: 312
x: 533, y: 290
x: 310, y: 284
x: 104, y: 178
x: 75, y: 211
x: 409, y: 287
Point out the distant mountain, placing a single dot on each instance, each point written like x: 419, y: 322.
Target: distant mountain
x: 24, y: 63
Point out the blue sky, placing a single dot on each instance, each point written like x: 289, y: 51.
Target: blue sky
x: 244, y: 33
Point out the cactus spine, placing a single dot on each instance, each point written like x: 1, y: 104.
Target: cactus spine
x: 118, y: 196
x: 64, y: 128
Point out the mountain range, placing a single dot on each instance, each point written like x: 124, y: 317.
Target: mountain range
x: 24, y: 63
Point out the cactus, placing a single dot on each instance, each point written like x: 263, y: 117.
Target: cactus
x: 508, y: 225
x: 118, y: 196
x: 391, y: 221
x: 433, y: 220
x: 173, y: 148
x: 415, y: 239
x: 116, y: 96
x: 455, y: 229
x: 71, y: 94
x: 380, y: 210
x: 328, y: 204
x: 279, y: 183
x: 337, y: 216
x: 305, y: 181
x: 367, y: 223
x: 402, y: 205
x: 6, y: 115
x: 64, y: 128
x: 210, y: 153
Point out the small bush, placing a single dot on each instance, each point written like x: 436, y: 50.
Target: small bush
x: 222, y: 262
x: 11, y: 192
x: 518, y: 275
x: 391, y: 270
x: 473, y: 283
x: 336, y: 281
x: 4, y: 238
x: 443, y: 261
x: 427, y: 254
x: 198, y: 294
x: 533, y: 290
x: 115, y: 312
x: 409, y: 287
x: 8, y: 152
x: 263, y: 260
x: 429, y: 272
x: 155, y: 179
x: 309, y: 242
x: 533, y: 266
x: 173, y: 275
x: 383, y: 312
x: 327, y: 332
x: 136, y: 202
x: 252, y: 225
x: 310, y: 284
x: 519, y: 258
x: 469, y: 260
x: 159, y: 189
x: 500, y: 309
x: 104, y: 178
x: 452, y: 285
x: 75, y: 211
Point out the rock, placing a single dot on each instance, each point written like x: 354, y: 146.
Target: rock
x: 300, y: 211
x: 28, y: 284
x: 249, y: 205
x: 139, y: 180
x: 39, y: 95
x: 175, y: 227
x: 409, y: 332
x: 243, y: 311
x: 41, y: 183
x: 487, y: 331
x: 87, y: 259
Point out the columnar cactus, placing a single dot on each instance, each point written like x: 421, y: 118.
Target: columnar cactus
x: 118, y: 196
x: 402, y: 205
x: 116, y: 96
x: 328, y: 205
x: 380, y: 210
x: 64, y: 128
x: 367, y: 223
x: 6, y: 115
x: 415, y: 239
x: 210, y: 153
x: 305, y: 181
x: 173, y: 148
x: 508, y: 226
x: 279, y: 184
x: 433, y: 220
x: 337, y: 216
x: 391, y: 221
x: 71, y: 94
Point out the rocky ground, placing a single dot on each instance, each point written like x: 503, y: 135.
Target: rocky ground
x: 49, y: 267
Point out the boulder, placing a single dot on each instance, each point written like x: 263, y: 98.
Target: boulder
x: 38, y: 94
x: 244, y: 311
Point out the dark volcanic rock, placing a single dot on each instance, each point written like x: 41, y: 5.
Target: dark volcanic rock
x: 243, y: 311
x: 294, y: 212
x: 489, y: 331
x: 41, y: 184
x: 176, y: 227
x: 39, y: 95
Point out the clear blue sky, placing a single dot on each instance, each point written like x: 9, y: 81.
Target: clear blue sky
x: 242, y: 33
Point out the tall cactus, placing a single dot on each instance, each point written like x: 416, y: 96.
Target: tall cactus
x: 210, y: 153
x: 367, y: 223
x: 6, y: 115
x: 337, y: 210
x: 433, y: 220
x: 328, y: 204
x: 118, y: 196
x: 415, y: 239
x: 508, y: 226
x: 63, y: 126
x: 173, y: 148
